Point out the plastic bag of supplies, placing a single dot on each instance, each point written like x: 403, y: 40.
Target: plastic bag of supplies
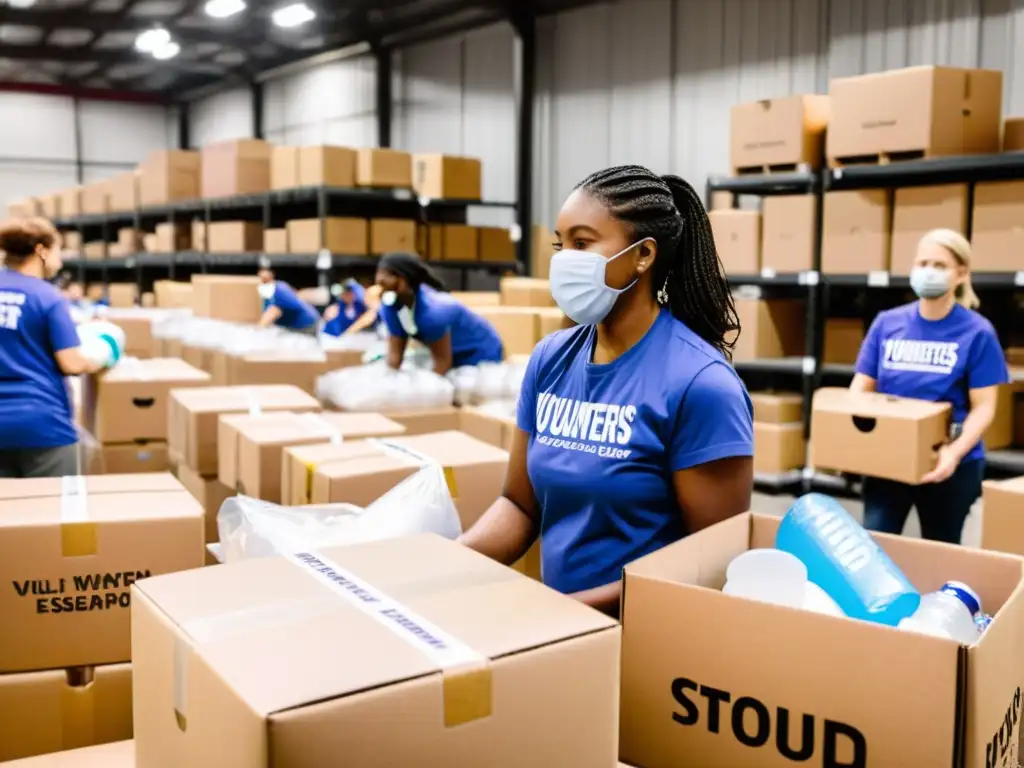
x: 376, y: 387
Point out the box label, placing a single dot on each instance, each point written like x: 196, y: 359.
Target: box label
x: 81, y: 593
x: 1001, y: 751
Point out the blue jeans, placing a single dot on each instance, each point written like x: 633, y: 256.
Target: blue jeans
x: 942, y: 507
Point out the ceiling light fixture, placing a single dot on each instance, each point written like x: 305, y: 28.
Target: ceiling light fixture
x: 293, y: 15
x: 222, y: 9
x: 21, y: 3
x: 166, y: 51
x: 152, y: 39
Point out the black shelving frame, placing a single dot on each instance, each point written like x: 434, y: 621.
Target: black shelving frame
x: 876, y: 287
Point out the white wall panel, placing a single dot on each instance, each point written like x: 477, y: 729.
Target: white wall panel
x: 221, y: 117
x: 115, y: 132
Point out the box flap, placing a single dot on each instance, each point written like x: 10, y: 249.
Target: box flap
x: 244, y: 618
x: 875, y: 404
x: 242, y: 399
x: 453, y: 449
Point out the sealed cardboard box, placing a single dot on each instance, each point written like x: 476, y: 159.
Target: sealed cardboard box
x: 234, y: 237
x: 250, y: 448
x: 425, y: 421
x: 448, y: 177
x: 771, y: 328
x: 173, y: 295
x: 284, y: 167
x: 238, y: 167
x: 130, y: 402
x: 326, y: 166
x: 122, y: 295
x: 96, y: 197
x: 917, y: 211
x: 777, y: 134
x: 452, y: 242
x: 856, y: 232
x: 868, y: 433
x: 348, y: 236
x: 211, y: 493
x: 167, y: 176
x: 388, y: 235
x: 72, y: 241
x: 789, y: 233
x: 495, y: 429
x: 138, y: 331
x: 55, y: 710
x: 69, y: 552
x: 275, y: 240
x: 135, y: 458
x: 124, y: 192
x: 704, y: 698
x: 171, y: 238
x: 71, y: 202
x: 118, y: 755
x: 49, y: 206
x: 525, y: 292
x: 778, y: 448
x: 519, y: 327
x: 194, y: 414
x: 477, y: 298
x: 1002, y: 524
x: 738, y: 240
x: 552, y: 320
x: 777, y: 407
x: 496, y: 245
x: 1000, y: 433
x: 298, y: 368
x: 517, y: 658
x: 384, y: 168
x: 1013, y: 134
x: 843, y: 338
x: 915, y: 112
x: 226, y: 297
x: 997, y: 228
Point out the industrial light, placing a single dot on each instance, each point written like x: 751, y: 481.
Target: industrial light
x: 21, y: 3
x: 168, y: 50
x: 293, y: 15
x: 152, y: 39
x: 222, y: 9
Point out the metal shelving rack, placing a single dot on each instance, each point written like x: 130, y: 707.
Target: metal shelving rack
x: 272, y: 209
x: 878, y: 286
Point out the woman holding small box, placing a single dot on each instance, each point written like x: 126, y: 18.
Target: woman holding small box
x: 937, y: 349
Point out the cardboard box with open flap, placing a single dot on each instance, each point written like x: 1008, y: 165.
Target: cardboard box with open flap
x: 715, y: 681
x: 118, y: 755
x: 413, y: 651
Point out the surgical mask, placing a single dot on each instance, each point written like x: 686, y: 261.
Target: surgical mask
x: 389, y: 298
x: 578, y: 284
x: 929, y: 282
x: 267, y: 290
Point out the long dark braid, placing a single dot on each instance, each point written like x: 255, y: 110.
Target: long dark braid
x: 668, y: 210
x: 411, y: 267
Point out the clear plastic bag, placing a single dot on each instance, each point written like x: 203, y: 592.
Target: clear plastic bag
x: 475, y: 384
x: 421, y: 503
x: 376, y: 387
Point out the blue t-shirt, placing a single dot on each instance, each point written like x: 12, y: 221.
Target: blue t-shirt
x: 935, y: 360
x: 605, y: 440
x: 347, y: 315
x: 35, y: 323
x: 295, y: 313
x: 474, y: 340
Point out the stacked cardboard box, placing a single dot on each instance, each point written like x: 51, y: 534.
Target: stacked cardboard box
x: 238, y: 167
x: 779, y: 444
x: 772, y: 328
x: 70, y: 551
x: 226, y: 297
x: 168, y: 176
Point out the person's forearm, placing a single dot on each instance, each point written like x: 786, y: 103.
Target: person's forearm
x: 441, y: 367
x: 606, y: 599
x: 862, y: 383
x: 978, y: 420
x: 363, y: 322
x: 270, y: 317
x: 505, y: 533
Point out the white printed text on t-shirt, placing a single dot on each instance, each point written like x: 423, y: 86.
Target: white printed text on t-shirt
x: 577, y: 425
x: 10, y: 309
x: 920, y: 356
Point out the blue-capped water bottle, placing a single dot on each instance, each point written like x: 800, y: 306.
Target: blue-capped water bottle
x: 843, y: 559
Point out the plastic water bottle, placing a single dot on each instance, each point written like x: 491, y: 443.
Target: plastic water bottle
x: 947, y: 613
x: 843, y: 559
x: 101, y: 342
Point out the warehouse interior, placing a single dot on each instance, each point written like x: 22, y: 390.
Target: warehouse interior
x: 186, y: 149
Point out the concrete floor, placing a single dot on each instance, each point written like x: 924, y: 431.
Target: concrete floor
x: 778, y: 504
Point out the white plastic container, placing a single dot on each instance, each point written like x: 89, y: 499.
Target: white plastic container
x: 769, y: 575
x: 948, y: 613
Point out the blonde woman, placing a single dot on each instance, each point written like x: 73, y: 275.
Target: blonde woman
x: 938, y: 349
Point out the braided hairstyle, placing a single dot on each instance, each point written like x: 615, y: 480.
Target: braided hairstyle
x: 669, y: 211
x: 411, y: 267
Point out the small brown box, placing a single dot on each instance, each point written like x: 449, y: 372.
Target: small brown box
x: 226, y: 297
x: 346, y: 236
x: 448, y: 177
x: 384, y: 168
x: 738, y: 240
x: 856, y: 232
x: 235, y: 237
x: 779, y: 448
x: 777, y: 407
x: 770, y: 328
x: 171, y: 238
x: 789, y: 233
x: 169, y: 175
x: 496, y: 245
x: 997, y: 229
x: 199, y: 235
x: 275, y: 240
x: 239, y: 167
x: 49, y: 206
x: 843, y: 338
x: 388, y: 235
x: 326, y: 166
x: 452, y: 242
x: 71, y: 202
x: 122, y: 295
x: 96, y: 197
x: 284, y: 167
x: 918, y: 210
x: 124, y: 192
x: 778, y: 133
x: 1013, y: 134
x: 915, y: 112
x: 72, y: 241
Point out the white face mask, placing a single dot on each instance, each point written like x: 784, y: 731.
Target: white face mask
x: 929, y: 282
x: 389, y: 298
x: 578, y: 284
x: 267, y: 290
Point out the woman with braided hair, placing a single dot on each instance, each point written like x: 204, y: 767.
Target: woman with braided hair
x: 634, y: 430
x: 415, y: 304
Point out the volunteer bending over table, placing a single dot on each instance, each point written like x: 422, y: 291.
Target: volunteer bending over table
x: 38, y: 348
x: 355, y: 310
x: 415, y: 304
x: 634, y: 430
x: 939, y: 349
x: 283, y: 307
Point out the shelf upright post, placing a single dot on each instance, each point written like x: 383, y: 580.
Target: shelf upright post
x: 184, y: 137
x: 256, y: 89
x: 206, y: 238
x: 384, y: 95
x: 524, y: 21
x: 173, y: 255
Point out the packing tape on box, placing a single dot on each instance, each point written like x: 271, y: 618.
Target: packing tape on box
x: 330, y: 431
x: 77, y: 532
x: 402, y: 451
x: 252, y: 402
x: 77, y: 716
